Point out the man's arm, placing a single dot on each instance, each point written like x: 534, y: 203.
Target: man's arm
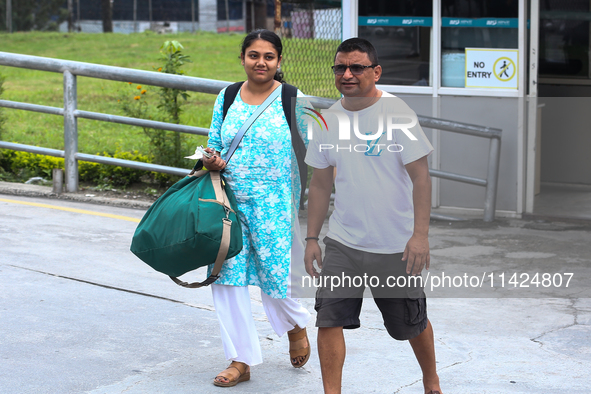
x: 416, y: 253
x: 318, y: 201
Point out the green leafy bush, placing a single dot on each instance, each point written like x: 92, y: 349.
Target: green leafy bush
x: 23, y: 165
x: 122, y: 176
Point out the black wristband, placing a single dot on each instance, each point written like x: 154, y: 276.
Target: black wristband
x: 314, y: 238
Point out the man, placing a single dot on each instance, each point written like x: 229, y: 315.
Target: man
x: 380, y: 224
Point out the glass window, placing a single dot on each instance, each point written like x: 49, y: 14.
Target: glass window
x: 564, y: 39
x: 474, y: 24
x: 401, y: 33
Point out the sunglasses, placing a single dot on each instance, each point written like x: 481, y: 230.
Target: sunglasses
x: 356, y: 69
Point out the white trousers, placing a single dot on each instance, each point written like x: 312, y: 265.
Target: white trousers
x: 239, y: 334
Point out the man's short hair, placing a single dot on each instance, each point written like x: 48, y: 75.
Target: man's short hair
x: 361, y: 45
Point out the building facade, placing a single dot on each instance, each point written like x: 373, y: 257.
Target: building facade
x: 519, y: 65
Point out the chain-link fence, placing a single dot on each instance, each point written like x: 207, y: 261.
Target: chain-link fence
x: 311, y: 32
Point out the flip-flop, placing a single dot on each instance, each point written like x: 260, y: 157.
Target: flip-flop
x: 233, y: 379
x: 300, y: 352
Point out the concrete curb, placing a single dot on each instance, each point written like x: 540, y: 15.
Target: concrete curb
x: 21, y: 189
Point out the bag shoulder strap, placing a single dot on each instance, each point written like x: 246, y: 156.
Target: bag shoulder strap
x: 230, y: 96
x: 246, y: 125
x: 288, y: 94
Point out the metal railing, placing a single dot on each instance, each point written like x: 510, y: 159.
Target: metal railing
x: 72, y: 69
x: 494, y: 158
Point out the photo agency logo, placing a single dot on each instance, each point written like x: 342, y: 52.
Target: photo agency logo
x: 315, y: 115
x: 375, y: 142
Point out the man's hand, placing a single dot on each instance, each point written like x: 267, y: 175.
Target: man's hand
x: 416, y: 254
x: 313, y: 253
x: 318, y: 201
x: 215, y: 163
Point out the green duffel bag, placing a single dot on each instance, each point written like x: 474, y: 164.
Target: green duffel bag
x: 193, y: 224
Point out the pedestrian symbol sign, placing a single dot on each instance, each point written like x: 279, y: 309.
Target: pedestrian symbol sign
x: 492, y: 68
x: 505, y: 71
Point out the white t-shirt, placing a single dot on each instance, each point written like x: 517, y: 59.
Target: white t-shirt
x: 373, y: 198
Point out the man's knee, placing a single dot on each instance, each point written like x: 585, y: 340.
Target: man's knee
x: 329, y: 337
x: 405, y: 318
x: 405, y: 333
x: 329, y: 331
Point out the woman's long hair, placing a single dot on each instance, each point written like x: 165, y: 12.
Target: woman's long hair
x: 269, y: 36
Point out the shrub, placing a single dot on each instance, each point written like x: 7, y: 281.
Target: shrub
x: 24, y: 165
x: 122, y: 176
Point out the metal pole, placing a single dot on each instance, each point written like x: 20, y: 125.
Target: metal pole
x: 58, y: 180
x: 135, y: 16
x: 78, y: 15
x: 252, y: 14
x: 192, y: 16
x: 244, y: 20
x: 278, y: 17
x: 70, y: 16
x: 227, y: 16
x: 492, y: 179
x: 70, y: 132
x: 150, y: 11
x: 9, y: 16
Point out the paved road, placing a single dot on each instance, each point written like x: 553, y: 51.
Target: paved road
x: 79, y: 313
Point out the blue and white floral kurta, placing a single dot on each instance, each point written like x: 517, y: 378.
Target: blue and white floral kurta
x: 264, y: 176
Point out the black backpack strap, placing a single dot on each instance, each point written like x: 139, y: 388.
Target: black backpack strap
x: 288, y: 95
x: 230, y: 95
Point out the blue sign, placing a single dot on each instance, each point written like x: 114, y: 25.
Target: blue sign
x: 511, y: 23
x: 395, y: 21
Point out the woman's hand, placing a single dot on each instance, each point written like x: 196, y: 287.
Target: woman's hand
x: 215, y: 163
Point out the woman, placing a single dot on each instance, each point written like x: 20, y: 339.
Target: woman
x: 264, y: 177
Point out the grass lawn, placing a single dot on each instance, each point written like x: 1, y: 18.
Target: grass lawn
x: 215, y: 56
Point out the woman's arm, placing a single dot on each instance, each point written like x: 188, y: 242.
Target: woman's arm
x: 214, y: 143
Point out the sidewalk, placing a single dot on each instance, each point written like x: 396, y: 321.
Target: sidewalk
x: 80, y: 313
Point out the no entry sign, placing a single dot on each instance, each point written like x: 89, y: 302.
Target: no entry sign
x: 492, y: 68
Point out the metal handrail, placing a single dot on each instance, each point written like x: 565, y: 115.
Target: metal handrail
x: 138, y: 165
x: 72, y: 69
x: 112, y: 73
x: 494, y: 156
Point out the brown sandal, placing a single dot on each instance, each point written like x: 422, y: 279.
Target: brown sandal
x: 299, y: 352
x: 233, y: 378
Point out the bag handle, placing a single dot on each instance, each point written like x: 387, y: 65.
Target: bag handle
x: 238, y: 137
x: 222, y: 197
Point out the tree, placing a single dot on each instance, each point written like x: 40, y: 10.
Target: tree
x: 107, y: 9
x: 29, y: 15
